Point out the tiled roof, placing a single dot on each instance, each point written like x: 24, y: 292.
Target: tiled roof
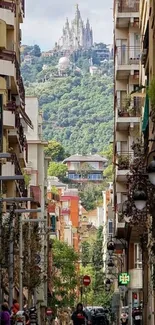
x: 86, y: 158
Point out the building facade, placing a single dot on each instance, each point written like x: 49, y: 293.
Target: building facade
x: 85, y: 168
x: 77, y: 35
x: 128, y: 111
x: 36, y: 168
x: 13, y: 145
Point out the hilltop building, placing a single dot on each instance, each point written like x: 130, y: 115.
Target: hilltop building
x: 76, y: 35
x: 85, y: 168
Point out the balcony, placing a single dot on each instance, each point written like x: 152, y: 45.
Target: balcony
x: 128, y: 113
x: 123, y: 161
x: 127, y: 61
x: 65, y: 211
x: 11, y: 169
x: 8, y: 119
x: 17, y: 134
x: 9, y: 66
x: 126, y: 13
x: 135, y: 279
x: 7, y: 12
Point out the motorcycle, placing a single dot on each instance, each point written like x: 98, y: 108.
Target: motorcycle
x: 20, y: 318
x: 33, y: 319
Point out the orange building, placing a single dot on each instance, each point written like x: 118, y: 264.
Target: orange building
x: 70, y: 213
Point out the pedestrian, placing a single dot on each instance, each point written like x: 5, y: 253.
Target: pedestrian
x: 79, y: 317
x: 15, y: 307
x: 4, y: 315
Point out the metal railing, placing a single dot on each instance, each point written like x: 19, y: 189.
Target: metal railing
x: 11, y: 56
x: 20, y: 131
x: 127, y: 55
x: 129, y: 107
x: 18, y: 171
x: 23, y: 7
x: 128, y: 6
x: 8, y: 5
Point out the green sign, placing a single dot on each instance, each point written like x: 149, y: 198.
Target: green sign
x: 123, y: 279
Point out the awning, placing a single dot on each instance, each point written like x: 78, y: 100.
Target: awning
x: 35, y: 192
x: 146, y: 114
x: 26, y: 118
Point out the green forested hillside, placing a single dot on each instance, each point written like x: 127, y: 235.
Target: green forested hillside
x: 77, y: 110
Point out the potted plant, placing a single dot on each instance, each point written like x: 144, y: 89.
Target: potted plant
x: 126, y: 105
x: 123, y: 162
x: 131, y: 111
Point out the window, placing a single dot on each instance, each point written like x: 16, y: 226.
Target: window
x: 110, y: 227
x: 74, y: 166
x: 94, y: 176
x: 137, y: 256
x: 53, y: 223
x: 65, y: 205
x: 94, y: 165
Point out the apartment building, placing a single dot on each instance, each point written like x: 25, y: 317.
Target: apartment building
x: 84, y: 168
x: 127, y: 119
x: 36, y: 169
x: 13, y: 145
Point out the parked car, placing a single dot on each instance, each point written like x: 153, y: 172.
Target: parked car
x: 97, y: 315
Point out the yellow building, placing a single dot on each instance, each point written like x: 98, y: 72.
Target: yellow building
x: 12, y: 107
x: 127, y: 119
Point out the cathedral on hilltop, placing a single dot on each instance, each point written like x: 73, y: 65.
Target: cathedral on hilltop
x: 76, y: 35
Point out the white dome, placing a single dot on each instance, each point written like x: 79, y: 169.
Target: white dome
x: 64, y: 62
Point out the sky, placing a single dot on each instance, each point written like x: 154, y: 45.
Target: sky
x: 44, y: 20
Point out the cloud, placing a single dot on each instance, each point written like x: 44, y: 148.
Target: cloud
x: 44, y: 21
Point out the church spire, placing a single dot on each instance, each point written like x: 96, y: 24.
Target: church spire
x: 77, y: 13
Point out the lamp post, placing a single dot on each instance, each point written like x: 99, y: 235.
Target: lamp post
x: 141, y: 198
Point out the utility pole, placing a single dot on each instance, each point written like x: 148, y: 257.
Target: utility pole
x: 11, y: 259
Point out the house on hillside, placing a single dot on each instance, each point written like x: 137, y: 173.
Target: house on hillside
x: 84, y: 168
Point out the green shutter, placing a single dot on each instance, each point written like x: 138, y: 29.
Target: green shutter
x: 146, y: 114
x: 53, y: 223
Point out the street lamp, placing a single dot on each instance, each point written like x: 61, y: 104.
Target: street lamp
x: 151, y: 171
x: 140, y: 198
x: 111, y: 247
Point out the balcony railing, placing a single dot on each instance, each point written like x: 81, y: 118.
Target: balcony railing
x: 11, y: 56
x: 127, y: 55
x: 124, y: 159
x: 23, y: 6
x: 8, y: 5
x: 18, y: 171
x: 129, y: 107
x: 20, y: 131
x: 128, y: 6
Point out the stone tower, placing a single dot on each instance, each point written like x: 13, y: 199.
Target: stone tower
x: 76, y: 35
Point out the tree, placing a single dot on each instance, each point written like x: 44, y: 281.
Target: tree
x: 64, y: 276
x: 36, y: 51
x: 108, y: 172
x: 95, y: 294
x: 57, y: 169
x: 91, y: 195
x: 86, y: 254
x: 55, y: 151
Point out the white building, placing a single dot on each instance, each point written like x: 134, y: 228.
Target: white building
x: 37, y: 169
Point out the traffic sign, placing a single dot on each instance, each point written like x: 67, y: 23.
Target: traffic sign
x: 86, y: 280
x: 49, y: 312
x: 123, y: 279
